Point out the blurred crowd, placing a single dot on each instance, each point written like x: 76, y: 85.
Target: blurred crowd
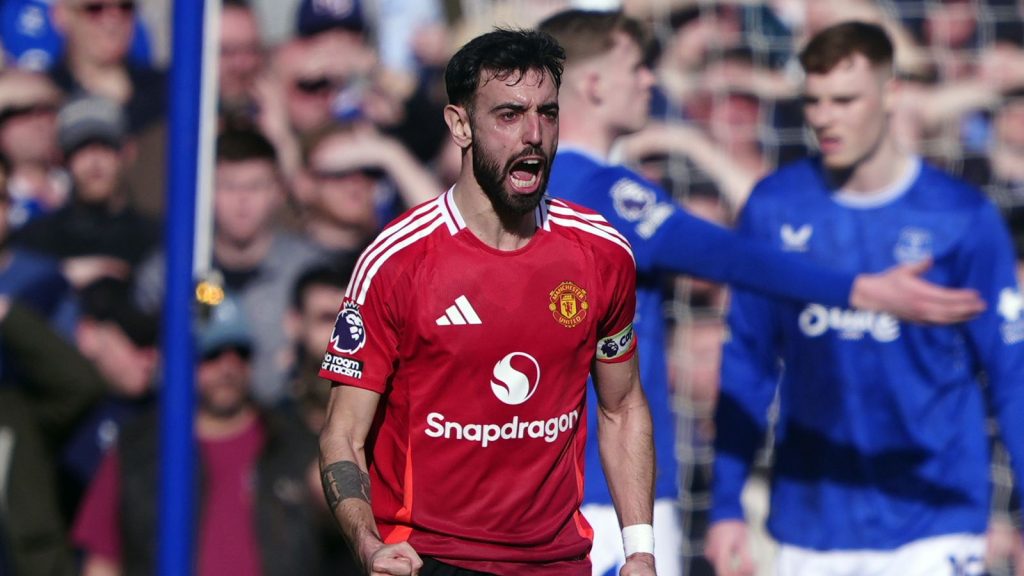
x: 329, y: 124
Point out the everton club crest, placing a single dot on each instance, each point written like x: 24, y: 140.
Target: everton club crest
x: 568, y: 304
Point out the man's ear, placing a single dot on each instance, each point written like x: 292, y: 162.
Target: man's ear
x: 592, y: 87
x: 457, y: 119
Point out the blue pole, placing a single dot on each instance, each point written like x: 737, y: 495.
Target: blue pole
x: 177, y: 445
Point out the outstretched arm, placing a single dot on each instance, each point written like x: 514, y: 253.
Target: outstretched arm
x: 902, y: 292
x: 719, y: 254
x: 346, y: 482
x: 626, y: 443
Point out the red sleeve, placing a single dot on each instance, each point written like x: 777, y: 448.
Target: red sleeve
x: 97, y: 528
x: 364, y: 345
x: 616, y: 341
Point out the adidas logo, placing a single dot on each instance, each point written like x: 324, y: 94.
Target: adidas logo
x: 460, y: 314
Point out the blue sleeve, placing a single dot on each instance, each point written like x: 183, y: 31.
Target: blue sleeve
x: 997, y: 335
x: 667, y: 238
x: 749, y: 374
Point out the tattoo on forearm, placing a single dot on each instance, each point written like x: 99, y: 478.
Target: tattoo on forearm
x: 344, y: 480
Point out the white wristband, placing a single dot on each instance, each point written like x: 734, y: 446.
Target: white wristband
x: 638, y: 538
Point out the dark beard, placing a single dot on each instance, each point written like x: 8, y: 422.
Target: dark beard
x: 491, y: 178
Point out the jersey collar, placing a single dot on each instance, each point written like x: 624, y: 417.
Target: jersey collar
x: 884, y: 196
x: 456, y: 223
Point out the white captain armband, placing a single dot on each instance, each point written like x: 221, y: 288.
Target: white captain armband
x: 617, y: 346
x: 638, y: 539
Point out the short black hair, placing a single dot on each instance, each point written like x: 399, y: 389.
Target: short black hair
x: 501, y: 53
x: 239, y: 145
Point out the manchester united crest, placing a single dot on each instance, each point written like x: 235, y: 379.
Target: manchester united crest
x: 569, y: 304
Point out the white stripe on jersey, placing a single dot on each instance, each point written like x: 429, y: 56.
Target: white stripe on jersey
x: 380, y: 249
x: 586, y: 227
x: 598, y: 227
x: 454, y: 217
x: 595, y: 219
x: 411, y: 239
x: 542, y: 215
x: 386, y: 238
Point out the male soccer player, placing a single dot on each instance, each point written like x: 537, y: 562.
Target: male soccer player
x: 605, y: 95
x: 454, y: 438
x: 881, y: 460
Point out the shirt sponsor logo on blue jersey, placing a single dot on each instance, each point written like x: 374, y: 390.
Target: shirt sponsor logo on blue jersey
x: 632, y: 201
x: 1011, y: 308
x: 913, y: 245
x: 795, y: 239
x: 815, y: 320
x: 970, y: 565
x: 349, y: 332
x: 637, y: 203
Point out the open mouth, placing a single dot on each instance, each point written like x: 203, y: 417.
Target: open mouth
x: 525, y: 175
x: 829, y: 144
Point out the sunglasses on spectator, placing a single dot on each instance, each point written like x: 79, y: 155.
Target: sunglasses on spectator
x: 96, y: 9
x: 317, y: 85
x: 26, y: 110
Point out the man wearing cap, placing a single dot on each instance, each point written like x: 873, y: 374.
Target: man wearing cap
x: 28, y: 137
x: 97, y: 233
x: 256, y: 510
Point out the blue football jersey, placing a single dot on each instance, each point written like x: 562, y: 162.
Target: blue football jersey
x: 668, y: 240
x: 881, y: 436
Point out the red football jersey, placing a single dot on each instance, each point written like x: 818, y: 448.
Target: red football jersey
x: 482, y: 357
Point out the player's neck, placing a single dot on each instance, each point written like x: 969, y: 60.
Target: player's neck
x: 878, y: 171
x: 589, y: 136
x: 501, y: 232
